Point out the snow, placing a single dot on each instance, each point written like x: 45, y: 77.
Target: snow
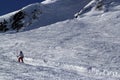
x: 103, y: 6
x: 57, y: 10
x: 7, y: 16
x: 83, y: 48
x: 48, y: 1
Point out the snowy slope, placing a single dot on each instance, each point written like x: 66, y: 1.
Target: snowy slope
x: 84, y: 48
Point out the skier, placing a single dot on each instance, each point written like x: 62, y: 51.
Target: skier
x: 20, y: 57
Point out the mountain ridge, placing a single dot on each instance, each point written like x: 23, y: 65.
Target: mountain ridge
x: 46, y: 13
x: 51, y: 11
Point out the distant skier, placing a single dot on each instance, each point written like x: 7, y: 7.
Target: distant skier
x: 20, y: 57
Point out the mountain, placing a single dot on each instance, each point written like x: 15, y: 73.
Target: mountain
x: 45, y: 13
x: 99, y: 5
x: 82, y: 48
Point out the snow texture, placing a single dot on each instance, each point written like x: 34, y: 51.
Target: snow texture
x: 83, y: 48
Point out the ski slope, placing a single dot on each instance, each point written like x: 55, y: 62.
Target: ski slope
x: 83, y: 48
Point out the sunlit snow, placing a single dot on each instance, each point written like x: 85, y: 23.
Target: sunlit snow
x: 83, y: 48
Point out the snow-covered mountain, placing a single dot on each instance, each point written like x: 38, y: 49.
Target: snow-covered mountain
x: 21, y: 18
x: 98, y: 5
x: 82, y: 48
x: 42, y: 14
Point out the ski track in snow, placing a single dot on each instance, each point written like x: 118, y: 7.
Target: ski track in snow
x: 58, y: 68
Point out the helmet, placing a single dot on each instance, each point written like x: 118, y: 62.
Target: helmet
x: 20, y: 51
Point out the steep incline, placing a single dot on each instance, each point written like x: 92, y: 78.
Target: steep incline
x: 85, y: 48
